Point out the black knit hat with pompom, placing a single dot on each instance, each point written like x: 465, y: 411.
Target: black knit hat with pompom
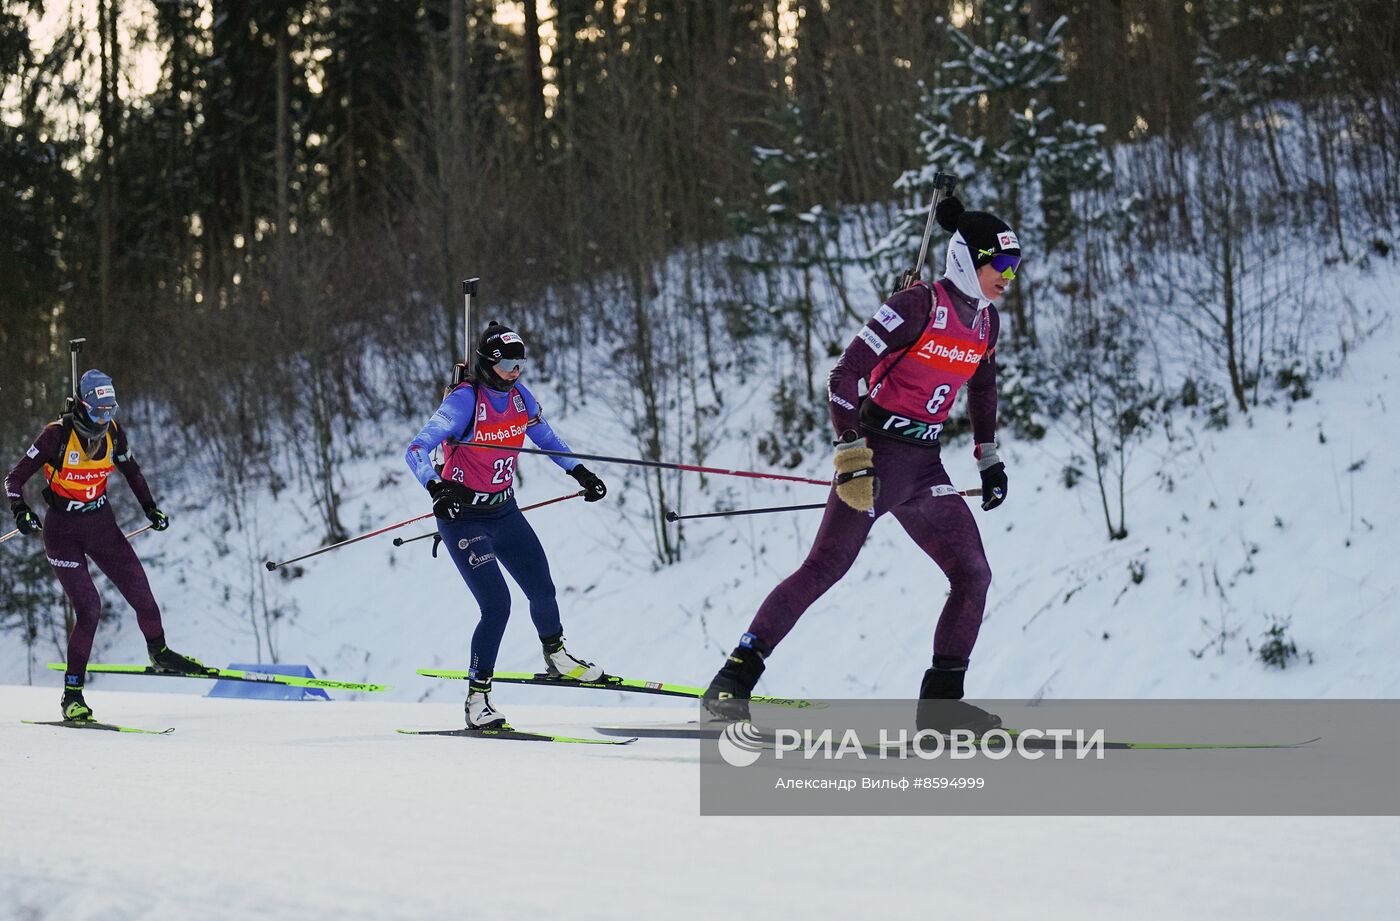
x: 986, y: 235
x: 497, y: 343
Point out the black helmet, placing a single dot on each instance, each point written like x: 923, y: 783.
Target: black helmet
x: 498, y: 345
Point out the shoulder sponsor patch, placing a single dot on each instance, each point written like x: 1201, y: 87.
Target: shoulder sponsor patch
x: 867, y: 335
x: 73, y: 457
x: 888, y: 317
x: 481, y: 413
x: 519, y: 402
x: 33, y: 452
x: 940, y: 317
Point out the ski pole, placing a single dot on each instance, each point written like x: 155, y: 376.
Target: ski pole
x: 648, y: 463
x: 676, y: 516
x: 400, y: 541
x: 6, y: 537
x: 272, y: 566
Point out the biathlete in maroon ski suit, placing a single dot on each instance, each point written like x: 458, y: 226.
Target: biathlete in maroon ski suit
x: 78, y: 453
x: 478, y: 518
x: 923, y: 345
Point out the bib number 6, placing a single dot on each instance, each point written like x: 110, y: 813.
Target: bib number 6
x: 935, y: 402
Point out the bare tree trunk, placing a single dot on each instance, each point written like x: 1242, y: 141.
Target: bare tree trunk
x: 534, y: 79
x: 107, y: 52
x: 450, y: 164
x: 282, y: 153
x: 1227, y: 268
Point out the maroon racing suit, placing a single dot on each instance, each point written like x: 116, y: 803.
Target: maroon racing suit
x: 911, y: 482
x: 75, y: 532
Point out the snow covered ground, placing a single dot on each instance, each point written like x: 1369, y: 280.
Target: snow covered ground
x: 291, y: 811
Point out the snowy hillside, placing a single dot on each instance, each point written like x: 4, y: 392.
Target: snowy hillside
x: 1286, y: 517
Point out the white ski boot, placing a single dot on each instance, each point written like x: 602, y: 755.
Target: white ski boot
x: 480, y: 713
x: 559, y: 662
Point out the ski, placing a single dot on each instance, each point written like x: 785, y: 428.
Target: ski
x: 233, y: 674
x: 698, y: 730
x: 94, y: 724
x: 514, y: 734
x: 690, y: 730
x: 613, y: 683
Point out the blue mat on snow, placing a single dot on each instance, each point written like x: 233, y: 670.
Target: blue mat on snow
x: 258, y: 690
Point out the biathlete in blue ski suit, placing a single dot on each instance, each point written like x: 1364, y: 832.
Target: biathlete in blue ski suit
x: 478, y: 518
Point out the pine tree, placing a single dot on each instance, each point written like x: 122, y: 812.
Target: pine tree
x: 991, y: 126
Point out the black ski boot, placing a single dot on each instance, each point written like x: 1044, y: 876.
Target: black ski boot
x: 169, y: 662
x: 727, y: 697
x: 941, y: 707
x: 75, y: 709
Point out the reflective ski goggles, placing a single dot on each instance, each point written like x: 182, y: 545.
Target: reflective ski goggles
x: 100, y: 414
x: 510, y: 364
x: 1005, y: 265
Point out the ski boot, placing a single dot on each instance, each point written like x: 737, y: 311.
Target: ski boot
x: 169, y: 662
x: 941, y: 708
x: 75, y: 709
x: 480, y: 713
x: 560, y: 662
x: 727, y: 697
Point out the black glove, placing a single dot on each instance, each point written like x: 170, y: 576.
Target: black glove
x: 993, y: 486
x: 25, y: 519
x: 159, y: 520
x: 447, y: 501
x: 593, y: 488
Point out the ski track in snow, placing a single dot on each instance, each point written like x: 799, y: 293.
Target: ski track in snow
x: 284, y: 811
